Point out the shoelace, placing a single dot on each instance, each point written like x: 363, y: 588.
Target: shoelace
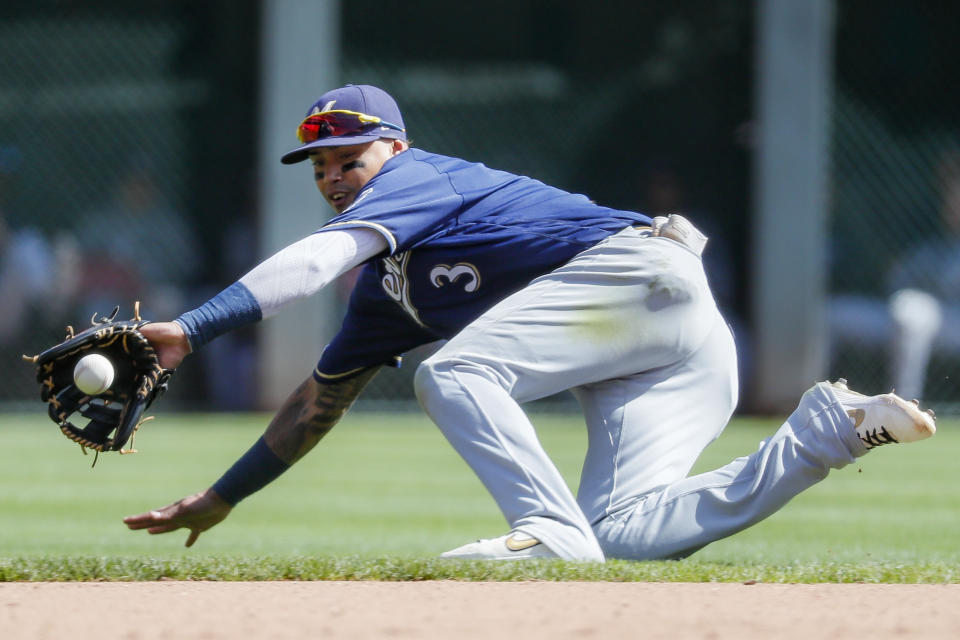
x: 877, y: 437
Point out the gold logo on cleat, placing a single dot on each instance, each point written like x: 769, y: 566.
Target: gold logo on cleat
x: 520, y: 545
x: 857, y: 415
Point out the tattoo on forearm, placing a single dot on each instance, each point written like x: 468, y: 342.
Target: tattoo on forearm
x: 310, y: 413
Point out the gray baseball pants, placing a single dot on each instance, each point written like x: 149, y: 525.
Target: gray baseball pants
x: 630, y: 326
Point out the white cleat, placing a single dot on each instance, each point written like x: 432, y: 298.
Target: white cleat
x: 885, y: 419
x: 516, y: 545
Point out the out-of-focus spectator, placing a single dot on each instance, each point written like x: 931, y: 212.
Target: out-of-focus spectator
x: 230, y: 361
x: 662, y: 191
x: 922, y: 311
x: 926, y: 306
x: 136, y: 247
x: 27, y: 264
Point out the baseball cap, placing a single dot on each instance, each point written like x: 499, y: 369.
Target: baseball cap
x: 362, y: 99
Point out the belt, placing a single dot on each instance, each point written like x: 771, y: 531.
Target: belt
x: 681, y: 230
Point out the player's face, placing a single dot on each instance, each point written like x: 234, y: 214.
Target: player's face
x: 341, y: 172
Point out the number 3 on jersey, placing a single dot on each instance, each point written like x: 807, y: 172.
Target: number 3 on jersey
x: 396, y: 284
x: 443, y: 274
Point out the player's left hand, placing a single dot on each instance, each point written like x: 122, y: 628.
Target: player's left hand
x: 198, y: 513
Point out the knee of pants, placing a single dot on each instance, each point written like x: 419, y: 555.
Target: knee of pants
x: 425, y: 385
x: 430, y: 379
x: 437, y: 377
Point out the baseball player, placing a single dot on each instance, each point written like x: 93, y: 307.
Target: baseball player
x: 535, y: 290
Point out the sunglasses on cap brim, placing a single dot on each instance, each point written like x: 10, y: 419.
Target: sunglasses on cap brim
x: 338, y: 123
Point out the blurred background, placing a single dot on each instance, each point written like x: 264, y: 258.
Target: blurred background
x: 817, y: 143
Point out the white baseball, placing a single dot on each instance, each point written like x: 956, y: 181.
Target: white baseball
x: 93, y: 374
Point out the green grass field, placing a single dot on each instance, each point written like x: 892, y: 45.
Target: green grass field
x: 383, y: 494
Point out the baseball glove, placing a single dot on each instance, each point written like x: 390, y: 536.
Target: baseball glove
x: 115, y: 414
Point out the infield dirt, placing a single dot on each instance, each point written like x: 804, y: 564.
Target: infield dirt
x: 527, y: 610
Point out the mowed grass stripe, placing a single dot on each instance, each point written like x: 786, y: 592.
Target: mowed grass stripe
x: 384, y: 494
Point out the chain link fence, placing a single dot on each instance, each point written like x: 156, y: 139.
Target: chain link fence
x: 895, y: 233
x: 103, y: 172
x: 87, y: 197
x: 127, y: 153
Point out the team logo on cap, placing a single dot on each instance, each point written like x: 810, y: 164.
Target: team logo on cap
x: 326, y: 107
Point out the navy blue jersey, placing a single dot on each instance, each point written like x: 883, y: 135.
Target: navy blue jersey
x: 462, y: 237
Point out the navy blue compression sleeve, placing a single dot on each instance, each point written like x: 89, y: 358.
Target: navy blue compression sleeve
x: 255, y: 469
x: 233, y: 307
x: 293, y: 273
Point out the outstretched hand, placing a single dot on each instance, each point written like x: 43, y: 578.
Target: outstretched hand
x: 169, y: 341
x: 198, y: 513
